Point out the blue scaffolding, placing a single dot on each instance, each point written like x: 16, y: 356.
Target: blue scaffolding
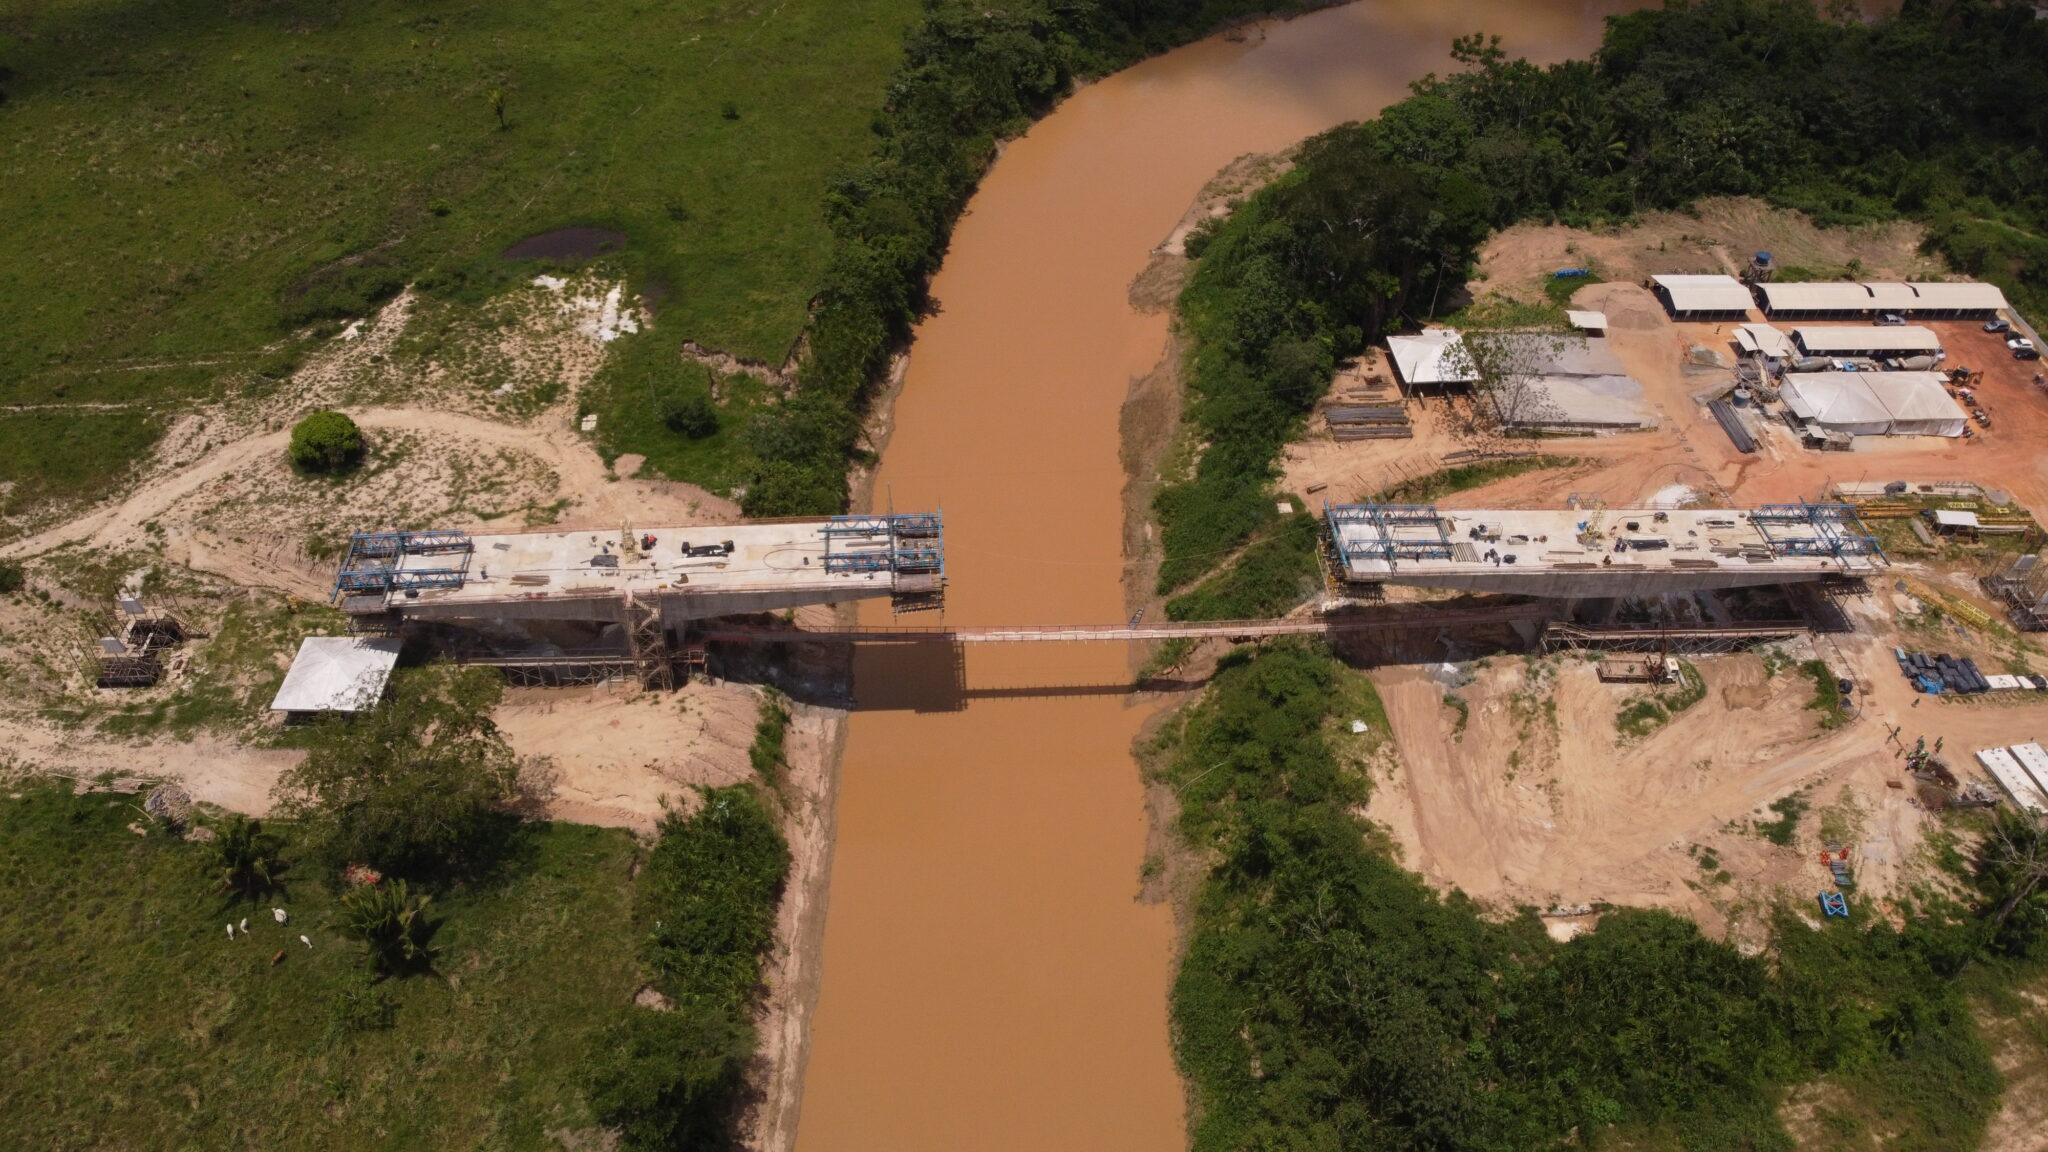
x: 375, y: 562
x: 1390, y: 532
x: 1832, y: 530
x: 907, y: 543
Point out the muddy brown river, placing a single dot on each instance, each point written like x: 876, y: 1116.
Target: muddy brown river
x: 990, y: 980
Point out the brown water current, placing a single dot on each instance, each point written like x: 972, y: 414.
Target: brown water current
x: 990, y: 980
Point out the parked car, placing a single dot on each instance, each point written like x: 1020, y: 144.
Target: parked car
x: 1997, y: 326
x: 1891, y: 318
x: 2028, y: 353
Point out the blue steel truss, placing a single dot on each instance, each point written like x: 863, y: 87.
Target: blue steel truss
x: 1384, y: 522
x: 375, y: 562
x: 909, y: 543
x: 1832, y: 530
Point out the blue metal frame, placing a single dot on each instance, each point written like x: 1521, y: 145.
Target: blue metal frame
x: 916, y: 543
x: 1835, y: 529
x: 1384, y: 519
x: 373, y: 561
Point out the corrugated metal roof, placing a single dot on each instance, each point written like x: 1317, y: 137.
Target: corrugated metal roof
x: 1867, y: 338
x: 1427, y: 358
x: 1695, y: 293
x: 1592, y: 320
x: 1893, y: 297
x: 1765, y: 339
x: 1837, y: 296
x: 1963, y: 297
x: 1950, y: 518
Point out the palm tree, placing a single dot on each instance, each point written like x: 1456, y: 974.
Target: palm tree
x: 392, y: 923
x: 247, y: 856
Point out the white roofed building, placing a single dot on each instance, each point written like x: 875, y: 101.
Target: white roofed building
x: 1872, y: 340
x: 1696, y: 297
x: 1433, y: 356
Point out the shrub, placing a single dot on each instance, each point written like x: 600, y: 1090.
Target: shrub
x: 391, y: 922
x: 416, y: 786
x: 247, y: 856
x: 326, y: 442
x: 12, y: 578
x: 694, y: 416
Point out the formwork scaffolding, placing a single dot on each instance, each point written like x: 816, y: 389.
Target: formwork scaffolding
x: 908, y: 545
x: 2022, y: 583
x: 1387, y: 533
x: 1830, y: 529
x: 1705, y: 639
x: 379, y: 563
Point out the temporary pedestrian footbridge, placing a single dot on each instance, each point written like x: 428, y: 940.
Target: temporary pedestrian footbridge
x: 1408, y: 620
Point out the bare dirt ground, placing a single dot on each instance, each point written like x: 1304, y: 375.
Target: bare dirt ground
x: 1720, y: 238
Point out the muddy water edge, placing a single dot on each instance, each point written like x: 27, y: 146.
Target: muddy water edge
x: 990, y: 979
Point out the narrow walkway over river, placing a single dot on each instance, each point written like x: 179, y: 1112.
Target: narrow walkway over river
x: 990, y: 981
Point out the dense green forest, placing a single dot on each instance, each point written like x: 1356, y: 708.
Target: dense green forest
x: 1331, y: 1000
x: 1938, y: 113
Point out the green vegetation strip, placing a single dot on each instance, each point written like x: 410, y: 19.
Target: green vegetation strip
x: 1328, y: 998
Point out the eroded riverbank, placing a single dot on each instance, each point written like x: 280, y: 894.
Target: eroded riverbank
x: 991, y: 980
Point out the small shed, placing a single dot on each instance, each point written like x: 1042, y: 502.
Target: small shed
x: 1765, y: 341
x: 1695, y: 297
x: 337, y: 674
x: 1949, y: 521
x: 1591, y: 322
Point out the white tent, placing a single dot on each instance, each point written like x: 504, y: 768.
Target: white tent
x: 1919, y: 405
x: 1428, y: 357
x: 337, y: 674
x: 1837, y: 401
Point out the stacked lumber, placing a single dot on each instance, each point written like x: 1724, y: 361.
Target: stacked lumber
x: 1368, y: 411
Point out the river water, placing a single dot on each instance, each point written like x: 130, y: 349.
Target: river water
x: 990, y: 980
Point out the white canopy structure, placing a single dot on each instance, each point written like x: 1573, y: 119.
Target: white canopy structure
x: 1702, y: 296
x: 1867, y: 340
x: 1431, y: 356
x: 1587, y: 321
x: 337, y: 674
x: 1837, y: 401
x: 1919, y: 405
x: 1874, y: 403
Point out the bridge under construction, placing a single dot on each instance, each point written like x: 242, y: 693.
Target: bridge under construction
x: 577, y: 606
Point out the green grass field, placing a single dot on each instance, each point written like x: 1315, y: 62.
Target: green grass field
x: 132, y: 1021
x: 186, y: 181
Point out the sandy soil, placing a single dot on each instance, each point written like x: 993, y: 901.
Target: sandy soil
x: 1523, y: 808
x: 1720, y: 237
